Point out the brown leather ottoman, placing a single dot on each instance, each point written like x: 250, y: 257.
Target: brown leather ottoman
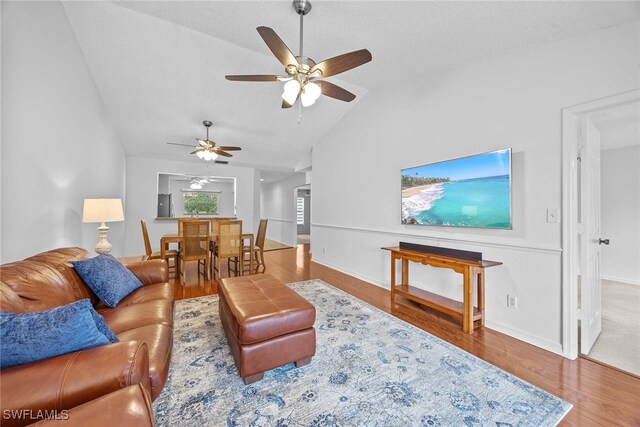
x: 267, y: 324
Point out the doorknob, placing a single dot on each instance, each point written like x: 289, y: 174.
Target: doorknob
x: 603, y: 241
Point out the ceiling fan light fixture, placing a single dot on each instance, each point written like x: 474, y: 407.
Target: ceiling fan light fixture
x: 209, y: 155
x: 200, y: 154
x: 291, y: 90
x: 196, y: 186
x: 310, y: 94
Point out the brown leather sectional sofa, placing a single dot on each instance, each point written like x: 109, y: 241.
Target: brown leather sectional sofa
x: 93, y: 382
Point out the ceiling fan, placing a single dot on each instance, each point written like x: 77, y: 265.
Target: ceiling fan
x: 303, y: 75
x: 195, y: 182
x: 207, y: 149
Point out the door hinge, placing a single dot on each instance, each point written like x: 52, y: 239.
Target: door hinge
x: 579, y: 313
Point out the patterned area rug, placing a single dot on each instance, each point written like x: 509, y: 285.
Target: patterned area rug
x: 370, y: 369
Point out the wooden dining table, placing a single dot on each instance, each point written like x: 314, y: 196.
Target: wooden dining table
x: 176, y: 237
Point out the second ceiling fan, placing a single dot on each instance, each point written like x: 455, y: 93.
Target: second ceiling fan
x: 303, y: 76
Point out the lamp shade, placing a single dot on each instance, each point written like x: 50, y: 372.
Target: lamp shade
x: 102, y: 210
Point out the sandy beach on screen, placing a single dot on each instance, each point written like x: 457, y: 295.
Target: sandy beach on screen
x: 412, y: 191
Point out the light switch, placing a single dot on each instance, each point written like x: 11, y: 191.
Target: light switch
x: 553, y: 215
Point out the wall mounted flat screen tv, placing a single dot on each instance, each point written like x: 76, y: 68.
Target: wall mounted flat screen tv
x: 472, y: 191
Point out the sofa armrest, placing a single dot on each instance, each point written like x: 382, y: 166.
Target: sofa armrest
x: 70, y: 380
x: 127, y: 407
x: 151, y: 271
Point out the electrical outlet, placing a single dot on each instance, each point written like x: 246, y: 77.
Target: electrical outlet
x: 553, y: 215
x: 512, y: 301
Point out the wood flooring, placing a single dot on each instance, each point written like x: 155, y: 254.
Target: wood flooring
x: 601, y: 396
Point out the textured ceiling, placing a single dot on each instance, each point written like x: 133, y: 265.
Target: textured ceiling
x: 160, y: 65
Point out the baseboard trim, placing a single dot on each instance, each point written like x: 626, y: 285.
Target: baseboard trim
x: 281, y: 220
x: 351, y: 273
x: 512, y: 332
x: 528, y: 338
x: 621, y: 280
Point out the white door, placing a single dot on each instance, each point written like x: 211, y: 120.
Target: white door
x: 591, y: 304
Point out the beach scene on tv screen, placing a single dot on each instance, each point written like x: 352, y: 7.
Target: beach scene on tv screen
x: 472, y: 191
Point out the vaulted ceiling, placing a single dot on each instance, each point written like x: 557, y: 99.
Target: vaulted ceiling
x: 160, y: 65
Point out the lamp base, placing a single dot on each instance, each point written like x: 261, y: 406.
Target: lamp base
x: 103, y: 246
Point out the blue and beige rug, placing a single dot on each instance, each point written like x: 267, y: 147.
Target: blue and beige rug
x: 370, y: 369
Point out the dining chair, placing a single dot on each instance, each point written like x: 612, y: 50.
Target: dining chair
x: 195, y: 245
x: 214, y: 230
x: 181, y: 221
x: 229, y: 244
x: 258, y: 251
x: 150, y: 254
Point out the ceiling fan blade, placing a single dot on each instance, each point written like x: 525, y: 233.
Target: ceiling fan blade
x: 277, y: 46
x: 203, y: 143
x: 285, y: 104
x: 182, y: 145
x: 229, y: 148
x: 341, y: 63
x: 253, y: 78
x: 334, y: 91
x: 223, y: 153
x: 197, y: 151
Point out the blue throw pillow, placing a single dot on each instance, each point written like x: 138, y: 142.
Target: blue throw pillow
x: 27, y: 337
x: 102, y: 325
x: 108, y: 278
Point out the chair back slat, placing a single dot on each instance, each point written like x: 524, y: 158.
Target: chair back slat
x: 181, y: 221
x: 195, y: 240
x: 215, y: 220
x: 262, y: 232
x: 229, y: 238
x: 145, y: 237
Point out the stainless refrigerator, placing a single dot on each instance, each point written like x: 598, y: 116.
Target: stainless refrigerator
x: 164, y: 206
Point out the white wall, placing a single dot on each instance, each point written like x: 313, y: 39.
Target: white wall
x: 142, y: 190
x: 278, y: 204
x: 511, y: 101
x: 620, y: 186
x: 58, y: 145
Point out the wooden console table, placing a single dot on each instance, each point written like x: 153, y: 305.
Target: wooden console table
x: 472, y: 271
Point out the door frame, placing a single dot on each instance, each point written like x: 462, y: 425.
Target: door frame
x: 570, y: 208
x: 295, y: 209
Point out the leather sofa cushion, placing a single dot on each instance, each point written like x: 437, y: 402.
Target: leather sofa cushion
x: 262, y: 307
x: 40, y: 286
x: 159, y: 339
x: 45, y: 281
x: 70, y: 380
x: 126, y: 318
x: 127, y: 407
x: 152, y: 292
x: 60, y: 259
x: 10, y: 300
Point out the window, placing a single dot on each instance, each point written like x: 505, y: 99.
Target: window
x: 200, y: 203
x: 300, y: 211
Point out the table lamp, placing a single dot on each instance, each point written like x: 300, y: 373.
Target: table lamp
x: 102, y: 210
